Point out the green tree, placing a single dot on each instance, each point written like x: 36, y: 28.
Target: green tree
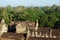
x: 5, y: 16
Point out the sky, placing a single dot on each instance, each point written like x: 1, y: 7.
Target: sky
x: 29, y: 2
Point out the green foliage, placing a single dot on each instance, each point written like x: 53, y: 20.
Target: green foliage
x: 47, y: 16
x: 5, y: 16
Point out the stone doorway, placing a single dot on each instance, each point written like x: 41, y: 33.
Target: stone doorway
x: 12, y: 28
x: 25, y: 36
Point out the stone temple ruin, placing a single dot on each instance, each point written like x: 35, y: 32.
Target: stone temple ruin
x: 17, y: 27
x: 3, y: 27
x: 27, y: 30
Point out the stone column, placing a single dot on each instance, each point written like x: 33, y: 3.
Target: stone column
x: 36, y: 25
x: 28, y: 34
x: 51, y: 33
x: 4, y: 27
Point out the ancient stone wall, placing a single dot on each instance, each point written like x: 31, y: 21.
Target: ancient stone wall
x: 37, y: 38
x: 45, y: 33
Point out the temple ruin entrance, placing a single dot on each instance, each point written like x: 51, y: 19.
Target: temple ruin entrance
x: 12, y: 28
x: 25, y: 36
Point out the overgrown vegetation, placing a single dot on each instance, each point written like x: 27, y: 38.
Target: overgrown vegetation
x: 47, y: 16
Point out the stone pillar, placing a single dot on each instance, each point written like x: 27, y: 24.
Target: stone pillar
x: 28, y: 33
x: 33, y: 35
x: 51, y: 33
x: 47, y: 35
x: 37, y: 34
x: 36, y: 25
x: 4, y: 27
